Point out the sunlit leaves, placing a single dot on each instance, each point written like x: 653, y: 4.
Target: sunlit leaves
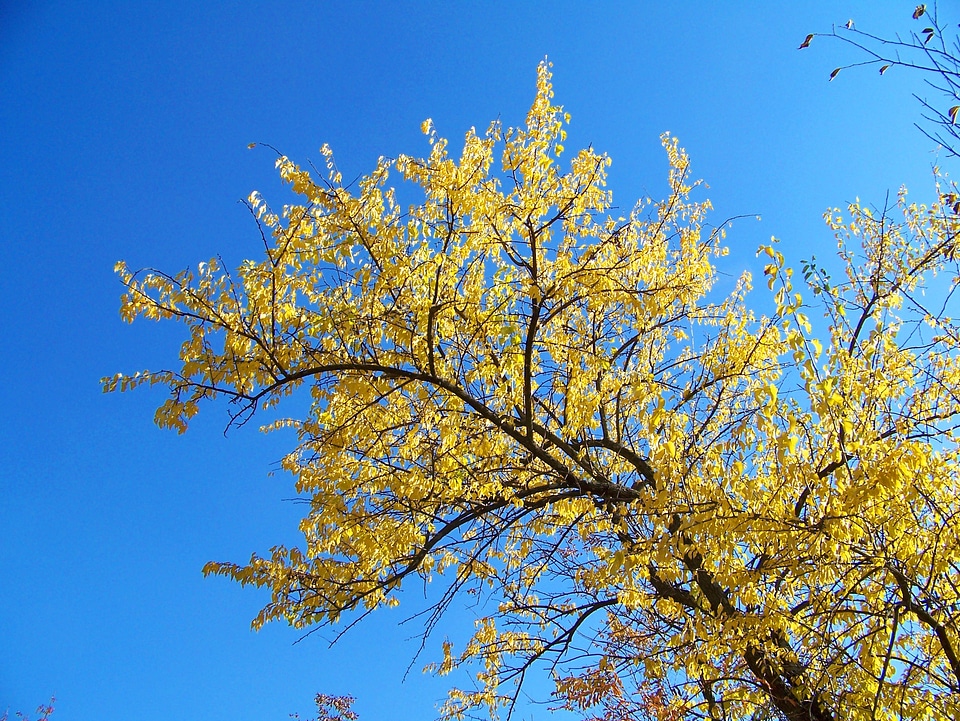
x: 672, y: 503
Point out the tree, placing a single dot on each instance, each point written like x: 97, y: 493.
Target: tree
x: 675, y: 506
x: 936, y: 55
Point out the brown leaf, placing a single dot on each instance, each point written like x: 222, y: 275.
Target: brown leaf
x: 920, y: 10
x: 952, y: 112
x: 835, y: 73
x: 806, y: 42
x: 884, y: 68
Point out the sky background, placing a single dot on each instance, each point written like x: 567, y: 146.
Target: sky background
x: 123, y: 135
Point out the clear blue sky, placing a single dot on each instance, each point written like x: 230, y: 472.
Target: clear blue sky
x: 123, y: 134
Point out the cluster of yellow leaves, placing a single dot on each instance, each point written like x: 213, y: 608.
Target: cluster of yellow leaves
x: 552, y: 408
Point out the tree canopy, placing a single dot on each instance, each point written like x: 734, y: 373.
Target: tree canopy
x: 675, y: 506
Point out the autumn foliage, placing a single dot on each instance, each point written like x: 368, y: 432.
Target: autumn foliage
x: 44, y: 712
x: 676, y: 506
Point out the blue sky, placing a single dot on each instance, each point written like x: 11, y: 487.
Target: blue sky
x: 123, y: 134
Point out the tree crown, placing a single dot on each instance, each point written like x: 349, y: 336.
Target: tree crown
x: 676, y: 506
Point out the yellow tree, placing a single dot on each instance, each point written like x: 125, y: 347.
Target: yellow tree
x: 677, y: 508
